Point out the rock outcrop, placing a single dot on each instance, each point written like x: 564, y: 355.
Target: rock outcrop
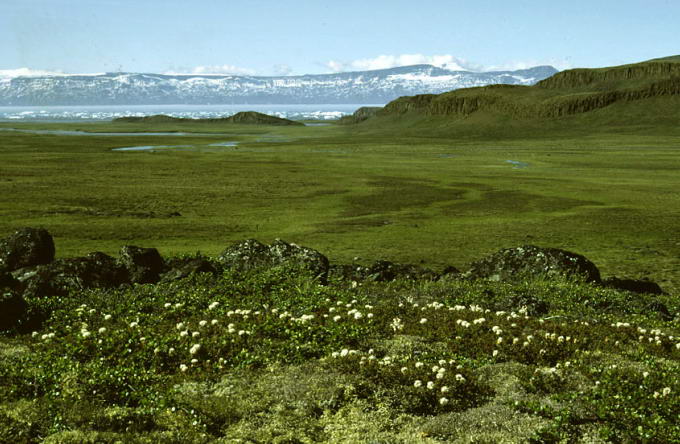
x: 250, y: 254
x: 145, y: 265
x: 180, y: 268
x: 12, y: 308
x: 633, y: 285
x: 512, y: 264
x: 27, y: 247
x: 59, y: 278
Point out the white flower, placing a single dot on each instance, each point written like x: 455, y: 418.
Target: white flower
x: 418, y: 383
x: 194, y: 361
x: 358, y: 315
x: 460, y: 378
x: 85, y: 333
x: 241, y: 332
x: 134, y: 324
x: 213, y: 305
x: 194, y: 334
x: 369, y: 316
x: 396, y: 324
x: 419, y: 364
x: 444, y: 389
x: 440, y: 376
x: 194, y: 349
x: 443, y: 401
x: 666, y: 391
x: 435, y: 369
x: 167, y: 305
x: 171, y: 350
x: 344, y: 352
x: 499, y: 340
x: 404, y: 369
x: 183, y: 333
x: 179, y: 326
x: 335, y: 354
x: 423, y: 320
x: 336, y: 318
x: 645, y: 374
x: 183, y: 367
x: 203, y: 323
x: 495, y: 353
x: 34, y: 334
x: 430, y: 385
x: 107, y: 317
x: 214, y: 322
x: 102, y: 330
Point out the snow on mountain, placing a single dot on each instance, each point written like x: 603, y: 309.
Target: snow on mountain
x: 361, y: 87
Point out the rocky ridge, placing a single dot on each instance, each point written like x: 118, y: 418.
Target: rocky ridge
x: 28, y: 269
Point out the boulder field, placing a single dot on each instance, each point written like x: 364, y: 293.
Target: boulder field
x: 28, y: 268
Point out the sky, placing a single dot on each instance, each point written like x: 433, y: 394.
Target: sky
x: 292, y: 37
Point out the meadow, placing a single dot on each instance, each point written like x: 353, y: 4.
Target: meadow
x: 421, y: 198
x: 272, y: 356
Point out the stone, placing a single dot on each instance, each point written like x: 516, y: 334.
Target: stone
x: 12, y: 309
x: 180, y: 268
x: 26, y: 247
x: 59, y: 278
x: 529, y: 261
x: 385, y: 271
x: 250, y: 254
x: 633, y: 285
x: 145, y: 265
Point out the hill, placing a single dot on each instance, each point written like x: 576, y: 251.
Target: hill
x: 641, y: 93
x: 242, y: 118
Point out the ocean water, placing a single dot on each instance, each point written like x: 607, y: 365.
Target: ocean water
x: 89, y: 113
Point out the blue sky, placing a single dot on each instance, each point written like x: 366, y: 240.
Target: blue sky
x: 267, y: 37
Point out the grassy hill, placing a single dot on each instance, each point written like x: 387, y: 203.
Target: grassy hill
x: 642, y: 95
x: 244, y: 117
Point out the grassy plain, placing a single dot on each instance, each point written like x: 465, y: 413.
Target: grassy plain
x: 423, y: 195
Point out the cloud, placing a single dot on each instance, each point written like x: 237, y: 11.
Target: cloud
x: 214, y: 70
x: 559, y: 64
x: 391, y: 61
x: 446, y: 61
x: 282, y: 70
x: 27, y: 72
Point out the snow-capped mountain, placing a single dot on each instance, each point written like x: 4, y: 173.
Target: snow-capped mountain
x: 379, y: 86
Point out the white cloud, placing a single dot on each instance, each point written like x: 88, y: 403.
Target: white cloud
x: 559, y: 64
x: 391, y: 61
x: 27, y: 72
x: 282, y: 70
x: 446, y: 61
x: 214, y: 70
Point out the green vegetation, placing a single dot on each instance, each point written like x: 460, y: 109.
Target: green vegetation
x: 271, y: 356
x: 279, y: 358
x: 242, y: 118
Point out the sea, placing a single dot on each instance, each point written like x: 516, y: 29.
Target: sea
x: 99, y: 113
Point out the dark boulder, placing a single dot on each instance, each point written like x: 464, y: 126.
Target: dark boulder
x: 96, y: 270
x: 633, y: 285
x: 27, y: 247
x: 347, y: 272
x: 180, y: 268
x: 381, y: 271
x: 450, y: 272
x: 12, y: 309
x: 250, y: 254
x: 513, y: 264
x: 385, y: 271
x: 145, y: 265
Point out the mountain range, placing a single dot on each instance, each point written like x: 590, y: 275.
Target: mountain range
x: 361, y: 87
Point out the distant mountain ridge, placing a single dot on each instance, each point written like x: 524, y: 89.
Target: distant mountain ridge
x: 360, y: 87
x: 568, y: 92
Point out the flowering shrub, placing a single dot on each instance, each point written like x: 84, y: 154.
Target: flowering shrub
x: 414, y: 349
